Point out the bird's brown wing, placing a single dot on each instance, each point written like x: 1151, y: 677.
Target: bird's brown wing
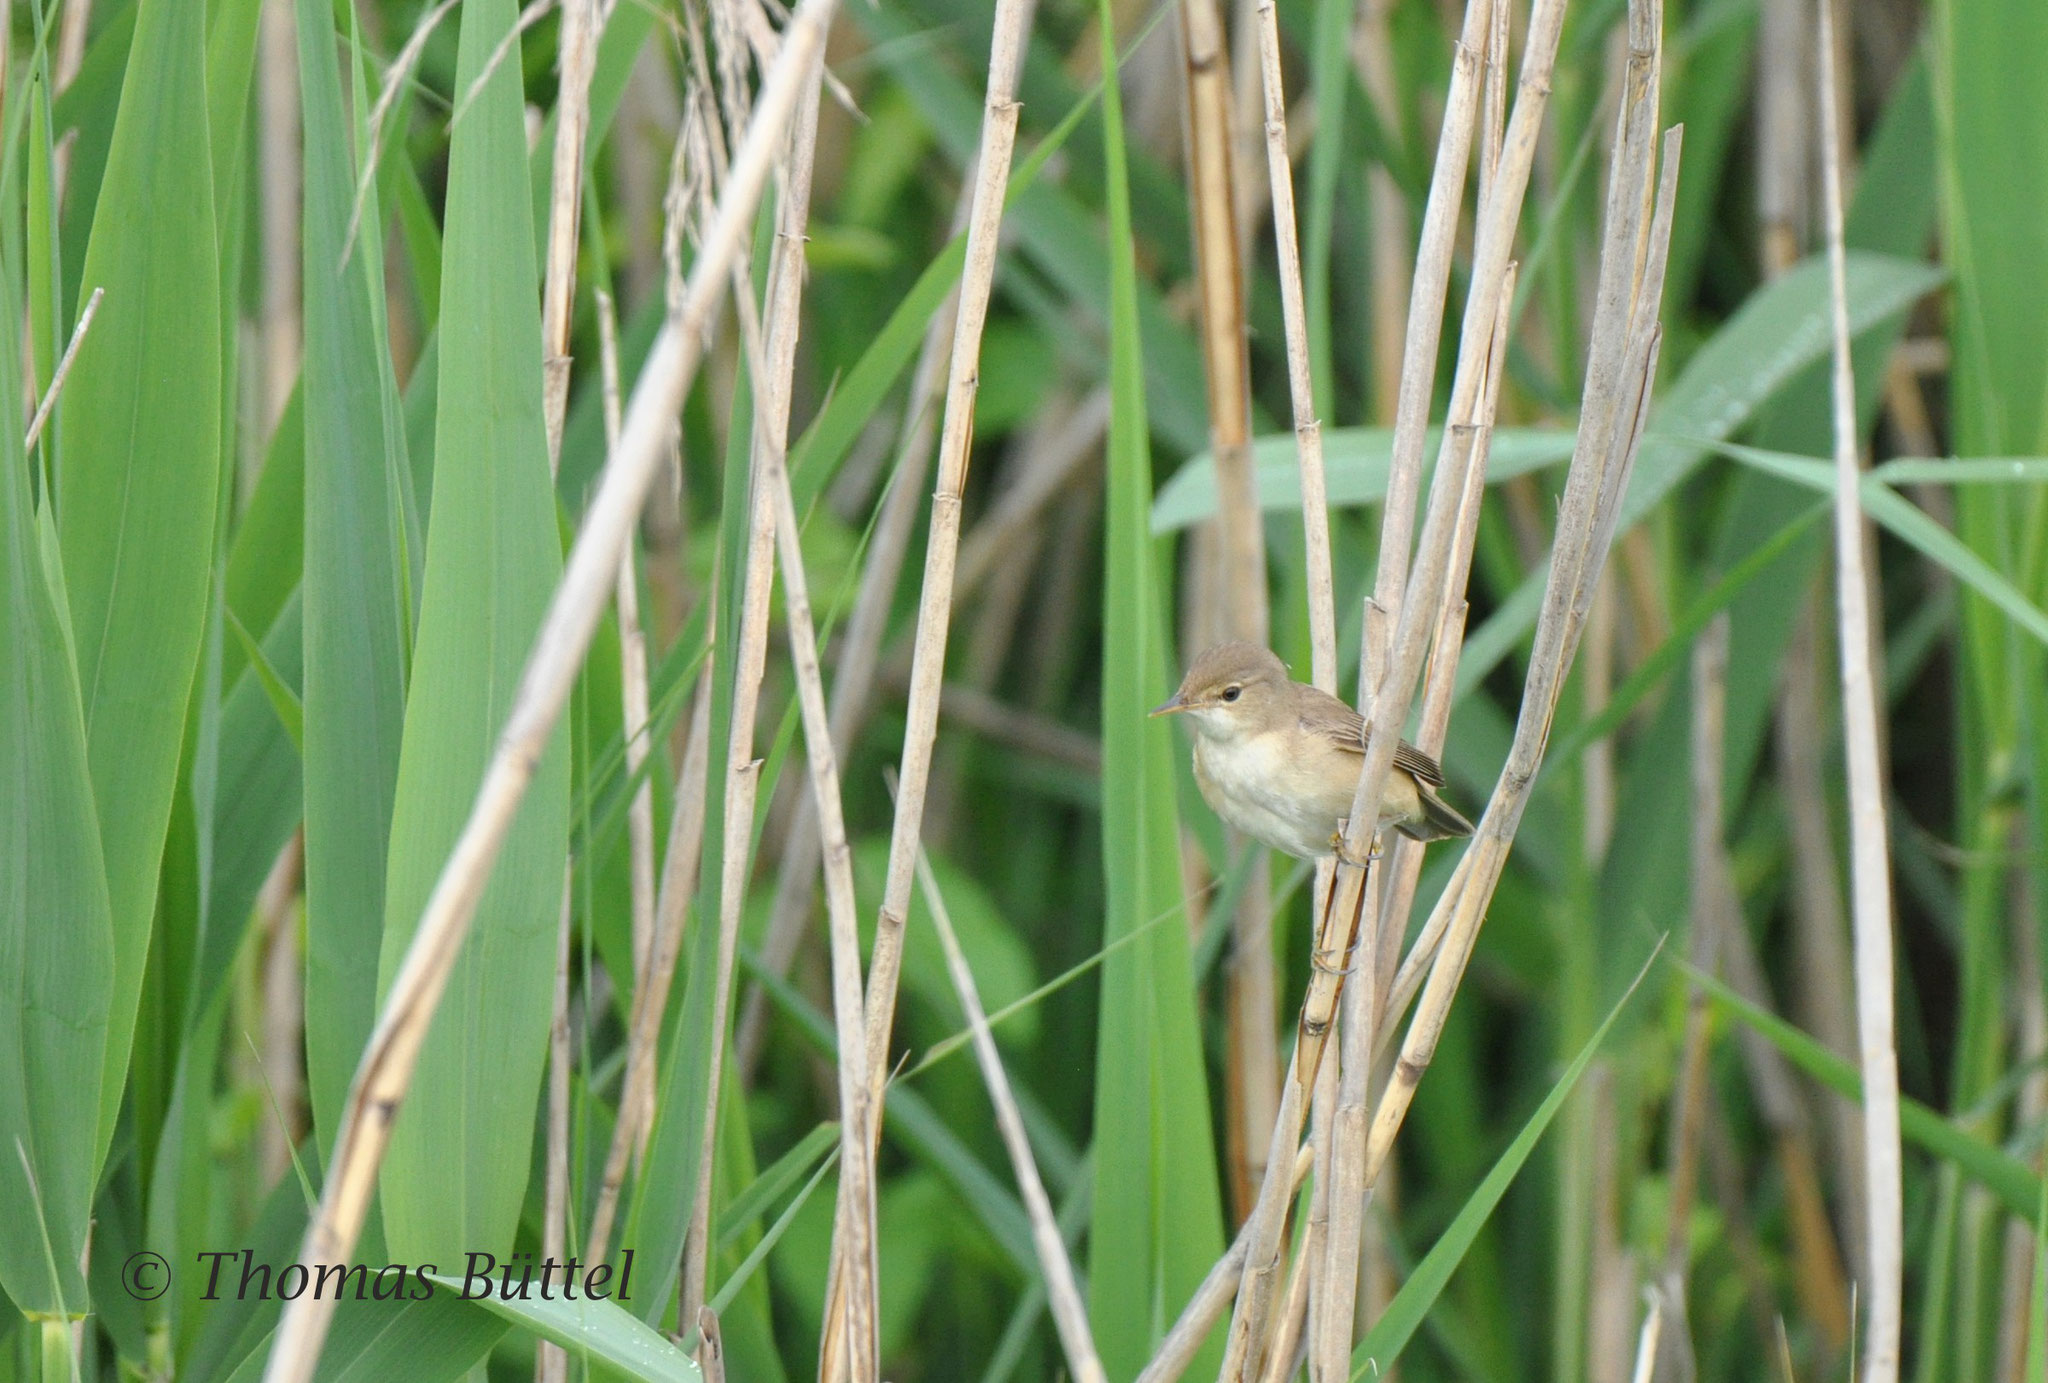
x: 1343, y: 726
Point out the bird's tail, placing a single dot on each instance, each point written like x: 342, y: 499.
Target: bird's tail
x: 1439, y: 821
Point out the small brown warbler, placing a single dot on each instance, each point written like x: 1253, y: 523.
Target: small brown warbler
x: 1279, y: 760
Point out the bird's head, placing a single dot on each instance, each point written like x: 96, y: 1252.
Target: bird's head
x: 1232, y: 691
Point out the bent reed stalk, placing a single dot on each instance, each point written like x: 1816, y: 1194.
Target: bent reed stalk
x: 384, y: 1075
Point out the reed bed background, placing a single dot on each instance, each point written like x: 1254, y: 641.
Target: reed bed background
x: 582, y: 585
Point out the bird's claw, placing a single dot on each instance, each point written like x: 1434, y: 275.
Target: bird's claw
x: 1343, y: 852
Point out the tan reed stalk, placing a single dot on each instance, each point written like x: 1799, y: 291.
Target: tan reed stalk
x: 935, y: 605
x: 775, y: 367
x: 1825, y: 1004
x: 385, y: 1072
x: 1212, y: 1298
x: 860, y: 648
x: 1708, y: 910
x: 710, y: 1346
x: 1415, y: 605
x: 71, y: 29
x: 1372, y: 49
x: 1063, y: 1294
x: 1417, y: 620
x: 1283, y: 1352
x: 1869, y: 851
x: 550, y: 1360
x: 1646, y: 1343
x: 578, y: 46
x: 1623, y: 364
x: 856, y: 1143
x: 653, y: 973
x: 679, y: 866
x: 284, y: 1008
x: 1220, y: 283
x: 1428, y: 286
x: 935, y: 599
x: 1612, y: 1295
x: 1308, y: 428
x: 1238, y: 608
x: 1784, y: 119
x: 1334, y: 1310
x: 632, y: 691
x: 42, y: 416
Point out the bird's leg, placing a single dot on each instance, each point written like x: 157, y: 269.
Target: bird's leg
x: 1343, y: 852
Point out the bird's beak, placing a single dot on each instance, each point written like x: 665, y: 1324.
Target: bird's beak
x: 1173, y: 705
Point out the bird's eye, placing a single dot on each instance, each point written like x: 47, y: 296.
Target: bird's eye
x: 1232, y: 692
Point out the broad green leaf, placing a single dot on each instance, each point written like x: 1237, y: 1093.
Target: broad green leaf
x: 1390, y: 1334
x: 1908, y: 523
x: 1991, y: 118
x: 56, y: 933
x: 430, y: 1338
x: 1355, y: 460
x: 353, y: 592
x: 601, y: 1330
x: 1157, y: 1221
x: 456, y: 1173
x: 257, y: 802
x: 138, y: 475
x: 1781, y: 330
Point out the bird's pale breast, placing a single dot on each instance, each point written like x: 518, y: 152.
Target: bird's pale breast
x: 1290, y: 797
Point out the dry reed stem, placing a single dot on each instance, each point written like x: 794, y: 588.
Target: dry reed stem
x: 653, y: 975
x: 935, y: 604
x: 578, y: 45
x: 1063, y: 1293
x: 43, y: 409
x: 1308, y: 428
x: 71, y: 31
x: 1284, y: 1350
x: 282, y: 1057
x: 1869, y: 857
x: 772, y: 348
x: 1417, y: 619
x: 856, y: 1144
x: 633, y: 695
x: 1416, y: 603
x: 1826, y: 1001
x: 385, y: 1072
x: 1710, y: 904
x: 1219, y: 279
x: 710, y: 1346
x: 1213, y: 1297
x: 1428, y: 286
x: 935, y: 599
x: 1372, y: 49
x: 1234, y: 603
x: 1646, y: 1343
x: 550, y: 1360
x: 1602, y: 460
x: 1366, y: 1006
x: 860, y: 648
x: 684, y: 854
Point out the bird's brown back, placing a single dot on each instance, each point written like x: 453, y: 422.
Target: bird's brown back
x: 1341, y: 723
